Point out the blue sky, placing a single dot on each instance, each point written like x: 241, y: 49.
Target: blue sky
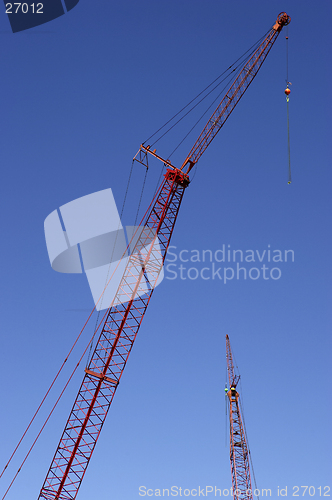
x: 79, y: 95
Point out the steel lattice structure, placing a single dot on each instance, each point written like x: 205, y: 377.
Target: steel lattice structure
x: 235, y: 92
x: 125, y: 316
x: 115, y: 342
x: 239, y: 453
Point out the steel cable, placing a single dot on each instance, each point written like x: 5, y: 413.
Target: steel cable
x: 252, y: 49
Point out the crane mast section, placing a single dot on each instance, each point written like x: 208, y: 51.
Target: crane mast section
x: 117, y: 336
x: 232, y: 97
x: 238, y: 449
x: 239, y: 455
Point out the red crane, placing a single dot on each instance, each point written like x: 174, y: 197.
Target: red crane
x: 123, y: 319
x: 239, y: 452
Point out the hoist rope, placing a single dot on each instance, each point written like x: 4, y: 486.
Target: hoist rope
x: 237, y: 71
x: 193, y: 107
x: 60, y: 369
x: 73, y: 372
x: 227, y: 77
x: 287, y: 104
x: 206, y: 111
x: 47, y: 393
x: 140, y: 200
x: 69, y: 353
x: 252, y: 49
x: 287, y: 55
x: 116, y: 237
x: 288, y: 140
x: 159, y: 179
x: 48, y: 417
x: 107, y: 277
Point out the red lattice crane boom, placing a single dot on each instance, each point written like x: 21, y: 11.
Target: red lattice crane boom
x: 125, y: 316
x: 239, y: 453
x: 234, y: 93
